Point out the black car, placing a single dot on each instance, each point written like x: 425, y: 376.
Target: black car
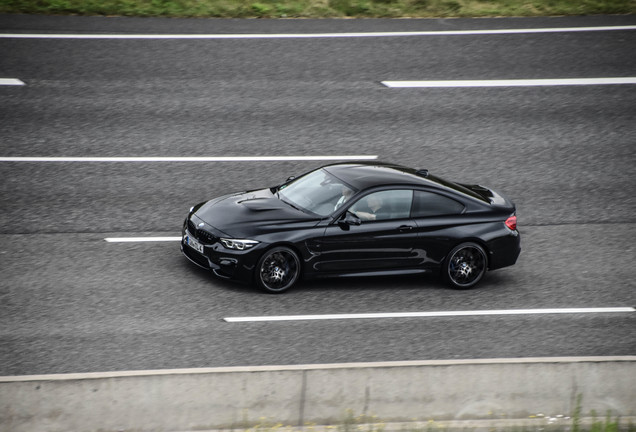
x: 354, y: 219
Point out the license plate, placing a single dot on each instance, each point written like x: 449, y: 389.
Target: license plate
x: 193, y: 243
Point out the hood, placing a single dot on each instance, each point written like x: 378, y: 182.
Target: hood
x: 251, y: 213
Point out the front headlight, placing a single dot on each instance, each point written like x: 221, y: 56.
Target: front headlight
x: 237, y: 244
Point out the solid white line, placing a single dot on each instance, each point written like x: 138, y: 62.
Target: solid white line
x: 510, y: 83
x: 189, y: 159
x: 429, y: 314
x: 11, y: 82
x: 141, y: 239
x: 314, y: 35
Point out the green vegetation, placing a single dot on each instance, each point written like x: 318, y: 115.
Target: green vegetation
x: 319, y: 8
x: 351, y: 425
x: 540, y: 423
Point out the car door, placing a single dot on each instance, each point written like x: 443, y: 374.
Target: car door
x: 381, y: 238
x: 439, y: 221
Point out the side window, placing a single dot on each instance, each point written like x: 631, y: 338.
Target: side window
x: 384, y: 205
x: 432, y: 204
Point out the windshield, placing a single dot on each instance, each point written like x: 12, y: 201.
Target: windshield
x: 318, y: 192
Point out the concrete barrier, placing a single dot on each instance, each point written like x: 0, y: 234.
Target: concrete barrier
x: 239, y: 397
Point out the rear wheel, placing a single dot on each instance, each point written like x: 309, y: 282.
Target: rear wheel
x: 277, y: 270
x: 465, y: 265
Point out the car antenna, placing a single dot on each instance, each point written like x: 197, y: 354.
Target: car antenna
x: 422, y: 172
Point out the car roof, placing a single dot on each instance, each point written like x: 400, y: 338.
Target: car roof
x: 365, y: 175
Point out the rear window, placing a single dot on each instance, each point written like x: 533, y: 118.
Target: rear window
x: 431, y: 204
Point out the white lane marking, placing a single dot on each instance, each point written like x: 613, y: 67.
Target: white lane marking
x: 510, y: 83
x: 11, y: 82
x: 188, y: 159
x: 429, y: 314
x: 315, y: 35
x: 141, y: 239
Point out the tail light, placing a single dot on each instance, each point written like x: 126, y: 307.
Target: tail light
x: 511, y: 222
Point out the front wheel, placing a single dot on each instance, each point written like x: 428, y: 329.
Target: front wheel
x: 277, y: 270
x: 465, y: 265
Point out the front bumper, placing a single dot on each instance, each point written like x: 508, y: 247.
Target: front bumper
x: 224, y: 263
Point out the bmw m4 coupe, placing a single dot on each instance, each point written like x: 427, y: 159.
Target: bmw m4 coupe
x: 351, y: 220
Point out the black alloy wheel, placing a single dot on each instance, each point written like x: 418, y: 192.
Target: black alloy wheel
x: 465, y: 266
x: 277, y: 270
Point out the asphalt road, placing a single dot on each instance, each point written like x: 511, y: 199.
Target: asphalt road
x: 71, y: 302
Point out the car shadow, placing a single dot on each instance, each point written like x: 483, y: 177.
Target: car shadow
x: 432, y: 282
x: 376, y: 283
x: 492, y: 281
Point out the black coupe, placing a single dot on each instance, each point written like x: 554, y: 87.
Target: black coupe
x: 354, y: 219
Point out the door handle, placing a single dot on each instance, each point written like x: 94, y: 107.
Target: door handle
x: 405, y: 228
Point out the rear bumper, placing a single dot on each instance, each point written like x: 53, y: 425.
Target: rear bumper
x: 504, y: 251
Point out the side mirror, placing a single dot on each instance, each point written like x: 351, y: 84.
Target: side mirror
x: 348, y: 220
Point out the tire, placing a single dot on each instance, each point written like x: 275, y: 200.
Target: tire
x: 465, y: 265
x: 277, y: 270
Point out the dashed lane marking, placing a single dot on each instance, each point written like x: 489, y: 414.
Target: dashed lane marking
x: 188, y: 159
x: 431, y: 314
x: 11, y: 82
x: 141, y: 239
x: 510, y: 83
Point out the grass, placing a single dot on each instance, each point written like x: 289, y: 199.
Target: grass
x: 540, y: 423
x: 609, y: 424
x: 319, y: 8
x: 366, y: 423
